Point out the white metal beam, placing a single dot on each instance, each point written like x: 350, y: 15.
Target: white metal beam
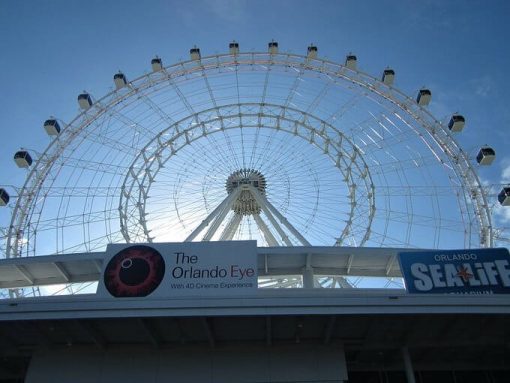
x: 26, y: 275
x: 262, y: 201
x: 268, y: 236
x: 63, y: 272
x: 220, y: 217
x: 273, y: 221
x: 231, y: 197
x: 231, y: 228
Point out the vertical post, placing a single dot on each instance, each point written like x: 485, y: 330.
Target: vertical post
x: 308, y: 276
x: 408, y: 365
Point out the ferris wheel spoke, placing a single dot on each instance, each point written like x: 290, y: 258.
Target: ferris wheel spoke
x: 281, y: 155
x: 154, y: 107
x: 115, y: 140
x: 127, y: 122
x: 254, y: 147
x: 233, y: 155
x: 318, y: 99
x: 293, y: 89
x: 75, y: 219
x: 182, y: 97
x: 261, y: 155
x: 95, y: 244
x: 391, y: 167
x: 228, y: 159
x: 264, y: 90
x: 59, y: 192
x: 113, y: 146
x: 93, y: 166
x: 342, y: 109
x: 209, y: 88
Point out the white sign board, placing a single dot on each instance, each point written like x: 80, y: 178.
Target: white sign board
x: 164, y: 270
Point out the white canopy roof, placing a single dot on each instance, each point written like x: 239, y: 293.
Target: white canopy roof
x: 86, y: 267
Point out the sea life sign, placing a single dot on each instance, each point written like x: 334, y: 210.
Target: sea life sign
x: 468, y: 271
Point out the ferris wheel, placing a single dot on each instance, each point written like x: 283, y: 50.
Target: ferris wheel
x: 285, y: 149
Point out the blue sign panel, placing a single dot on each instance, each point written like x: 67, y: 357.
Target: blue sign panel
x: 480, y: 271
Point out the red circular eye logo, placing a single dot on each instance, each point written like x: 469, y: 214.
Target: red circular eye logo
x: 135, y: 271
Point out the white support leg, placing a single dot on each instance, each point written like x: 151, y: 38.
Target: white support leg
x: 268, y: 236
x: 291, y: 228
x: 218, y: 220
x: 262, y: 201
x: 231, y: 228
x: 229, y: 200
x: 218, y: 215
x: 273, y: 221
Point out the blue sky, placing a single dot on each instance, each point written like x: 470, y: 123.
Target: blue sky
x: 52, y: 50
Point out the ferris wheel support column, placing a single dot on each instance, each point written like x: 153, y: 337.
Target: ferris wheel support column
x: 264, y: 202
x: 218, y: 220
x: 227, y: 201
x: 231, y: 228
x: 267, y: 212
x: 268, y: 236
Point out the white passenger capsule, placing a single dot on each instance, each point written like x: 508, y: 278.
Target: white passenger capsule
x: 312, y: 52
x: 504, y: 196
x: 456, y: 123
x: 120, y: 80
x: 4, y: 197
x: 234, y: 48
x: 351, y: 62
x: 23, y: 159
x: 194, y: 53
x: 486, y: 155
x: 424, y: 96
x: 157, y: 64
x: 85, y: 101
x: 272, y: 47
x: 388, y: 76
x: 52, y: 127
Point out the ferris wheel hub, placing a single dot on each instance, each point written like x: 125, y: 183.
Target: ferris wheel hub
x: 246, y: 203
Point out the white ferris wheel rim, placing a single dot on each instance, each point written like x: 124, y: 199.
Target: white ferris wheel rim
x: 429, y: 129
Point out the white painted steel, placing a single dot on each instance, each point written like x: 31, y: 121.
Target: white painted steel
x: 132, y: 125
x: 227, y: 202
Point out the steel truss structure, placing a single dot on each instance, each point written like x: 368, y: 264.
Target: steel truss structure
x: 346, y: 159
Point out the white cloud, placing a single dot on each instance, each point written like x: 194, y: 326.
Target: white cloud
x: 505, y: 173
x: 502, y: 213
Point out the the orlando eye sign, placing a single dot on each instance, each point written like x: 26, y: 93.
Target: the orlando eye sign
x: 471, y: 271
x: 166, y: 270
